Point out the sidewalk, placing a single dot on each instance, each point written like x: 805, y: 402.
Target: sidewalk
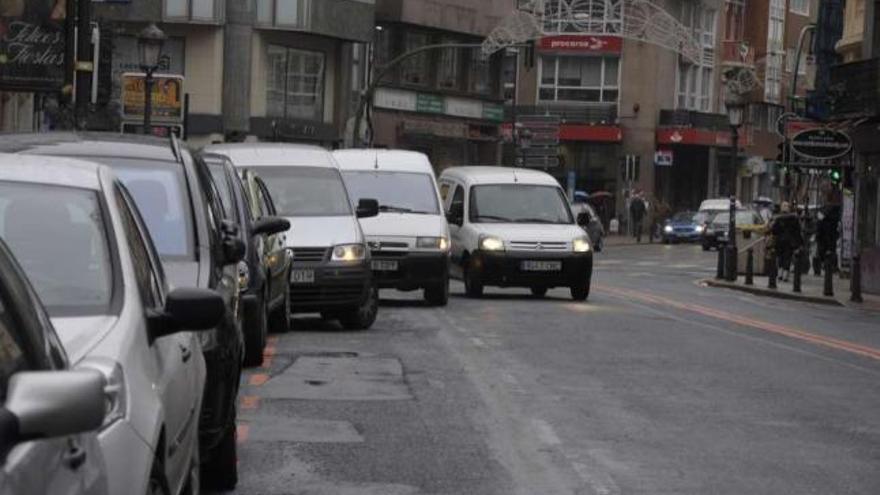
x: 811, y: 291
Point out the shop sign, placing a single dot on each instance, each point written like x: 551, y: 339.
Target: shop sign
x: 459, y: 107
x: 663, y: 158
x: 493, y: 112
x: 167, y: 97
x: 395, y: 99
x: 581, y: 43
x: 32, y: 45
x: 430, y: 103
x: 593, y: 133
x: 453, y: 130
x: 821, y: 144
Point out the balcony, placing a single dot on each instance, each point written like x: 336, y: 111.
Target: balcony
x: 737, y: 52
x: 568, y: 114
x: 855, y: 89
x: 697, y: 120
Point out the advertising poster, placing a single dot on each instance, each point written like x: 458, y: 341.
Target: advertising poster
x: 167, y: 97
x: 32, y: 45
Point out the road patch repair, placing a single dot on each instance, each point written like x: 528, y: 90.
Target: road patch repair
x: 339, y: 378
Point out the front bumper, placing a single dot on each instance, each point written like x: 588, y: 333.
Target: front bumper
x: 336, y: 286
x: 690, y: 236
x: 504, y: 269
x: 415, y: 269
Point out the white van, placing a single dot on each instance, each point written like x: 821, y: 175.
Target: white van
x: 330, y: 273
x: 514, y: 228
x: 409, y: 239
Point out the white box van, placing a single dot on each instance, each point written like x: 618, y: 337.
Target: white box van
x: 409, y: 239
x: 514, y: 228
x: 330, y: 272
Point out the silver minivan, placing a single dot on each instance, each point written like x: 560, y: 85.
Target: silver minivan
x: 330, y: 273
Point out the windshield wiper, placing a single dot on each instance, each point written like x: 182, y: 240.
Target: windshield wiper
x: 534, y: 220
x: 494, y: 217
x: 395, y: 209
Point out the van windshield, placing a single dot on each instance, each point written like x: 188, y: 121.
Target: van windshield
x: 306, y: 191
x: 399, y: 192
x: 518, y: 203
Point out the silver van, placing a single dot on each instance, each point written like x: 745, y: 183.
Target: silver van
x: 330, y: 273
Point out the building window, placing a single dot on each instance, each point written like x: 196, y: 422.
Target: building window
x: 579, y: 79
x: 194, y: 10
x: 509, y: 72
x: 775, y: 52
x: 449, y: 68
x: 694, y: 89
x: 800, y: 7
x: 578, y: 16
x: 479, y: 73
x: 790, y: 57
x: 283, y: 13
x: 773, y: 78
x: 414, y: 70
x: 733, y: 20
x: 295, y: 84
x: 359, y: 71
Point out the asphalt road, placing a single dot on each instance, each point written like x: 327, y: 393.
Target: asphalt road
x: 655, y: 386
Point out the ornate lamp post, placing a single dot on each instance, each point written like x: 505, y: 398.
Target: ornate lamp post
x: 735, y: 110
x: 150, y: 43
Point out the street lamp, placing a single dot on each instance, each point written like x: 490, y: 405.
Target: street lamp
x: 150, y: 43
x: 735, y: 111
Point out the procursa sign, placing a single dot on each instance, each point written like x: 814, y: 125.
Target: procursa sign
x: 821, y: 144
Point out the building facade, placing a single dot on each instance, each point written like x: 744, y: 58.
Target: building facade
x: 446, y: 103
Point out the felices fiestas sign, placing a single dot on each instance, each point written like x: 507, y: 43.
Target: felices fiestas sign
x: 821, y: 144
x: 32, y: 44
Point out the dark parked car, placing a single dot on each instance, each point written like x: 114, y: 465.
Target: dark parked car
x: 263, y: 276
x: 715, y: 233
x: 684, y: 226
x: 198, y: 246
x: 50, y: 413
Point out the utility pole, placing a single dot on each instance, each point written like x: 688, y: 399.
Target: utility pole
x: 84, y: 64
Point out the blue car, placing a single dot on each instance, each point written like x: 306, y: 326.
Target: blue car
x: 685, y: 226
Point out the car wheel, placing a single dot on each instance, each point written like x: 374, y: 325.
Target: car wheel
x: 221, y: 471
x: 438, y: 295
x: 473, y: 286
x: 158, y: 484
x: 581, y: 292
x: 255, y: 341
x: 279, y: 319
x: 362, y: 317
x: 539, y: 291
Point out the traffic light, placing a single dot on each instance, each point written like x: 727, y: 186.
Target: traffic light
x: 836, y: 176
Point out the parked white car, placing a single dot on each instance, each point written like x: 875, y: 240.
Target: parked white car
x: 50, y: 413
x: 81, y: 241
x: 409, y: 240
x: 330, y: 272
x: 514, y: 228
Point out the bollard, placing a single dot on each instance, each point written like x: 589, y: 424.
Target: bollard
x: 856, y: 280
x: 719, y: 274
x: 797, y: 272
x: 730, y: 255
x: 772, y: 271
x: 750, y: 266
x: 829, y: 275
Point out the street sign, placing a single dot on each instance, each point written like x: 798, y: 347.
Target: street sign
x: 821, y: 144
x: 167, y: 97
x: 663, y: 158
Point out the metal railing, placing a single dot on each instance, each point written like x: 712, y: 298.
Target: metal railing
x: 571, y: 114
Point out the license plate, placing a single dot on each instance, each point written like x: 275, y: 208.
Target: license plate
x: 384, y: 266
x: 302, y: 276
x: 541, y: 266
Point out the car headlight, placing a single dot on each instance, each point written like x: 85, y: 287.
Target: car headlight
x: 490, y: 243
x: 115, y: 394
x: 349, y: 252
x: 668, y: 229
x: 440, y: 243
x: 699, y: 229
x: 581, y: 245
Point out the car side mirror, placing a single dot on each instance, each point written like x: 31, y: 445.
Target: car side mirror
x: 188, y: 309
x: 455, y: 216
x: 228, y: 227
x: 270, y: 226
x: 50, y: 404
x: 367, y: 208
x: 583, y: 219
x: 234, y: 249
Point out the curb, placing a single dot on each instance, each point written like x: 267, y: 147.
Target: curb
x: 771, y: 293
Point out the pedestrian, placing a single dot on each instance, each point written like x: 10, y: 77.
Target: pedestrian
x: 827, y: 233
x: 787, y: 239
x: 637, y: 210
